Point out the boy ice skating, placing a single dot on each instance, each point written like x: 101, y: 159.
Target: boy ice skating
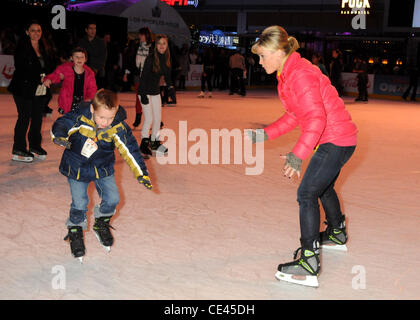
x: 90, y: 135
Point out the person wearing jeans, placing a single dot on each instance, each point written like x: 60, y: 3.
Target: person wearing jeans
x: 313, y: 105
x: 108, y: 192
x: 318, y: 182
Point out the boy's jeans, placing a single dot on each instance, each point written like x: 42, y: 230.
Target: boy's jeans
x: 318, y: 183
x: 107, y: 190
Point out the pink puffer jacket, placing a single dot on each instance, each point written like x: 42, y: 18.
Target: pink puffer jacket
x: 313, y: 104
x: 65, y: 97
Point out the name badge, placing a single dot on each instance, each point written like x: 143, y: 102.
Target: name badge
x: 89, y: 148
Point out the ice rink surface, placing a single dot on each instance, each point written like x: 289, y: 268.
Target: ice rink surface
x: 210, y: 231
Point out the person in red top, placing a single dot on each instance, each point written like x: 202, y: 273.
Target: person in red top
x: 79, y: 82
x: 313, y: 104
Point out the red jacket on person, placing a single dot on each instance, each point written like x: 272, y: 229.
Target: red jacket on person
x: 65, y: 97
x: 313, y: 104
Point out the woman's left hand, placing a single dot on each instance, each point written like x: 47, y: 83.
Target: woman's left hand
x: 292, y: 166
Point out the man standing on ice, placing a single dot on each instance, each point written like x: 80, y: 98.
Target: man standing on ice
x: 313, y: 104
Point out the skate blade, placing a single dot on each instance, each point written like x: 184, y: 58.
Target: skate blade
x: 335, y: 247
x: 22, y: 159
x: 310, y: 281
x: 107, y: 248
x: 39, y: 157
x: 159, y: 153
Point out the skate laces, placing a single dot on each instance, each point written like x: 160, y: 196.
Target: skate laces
x: 74, y: 234
x: 102, y: 224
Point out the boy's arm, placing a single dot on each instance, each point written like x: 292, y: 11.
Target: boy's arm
x: 128, y: 147
x: 61, y: 127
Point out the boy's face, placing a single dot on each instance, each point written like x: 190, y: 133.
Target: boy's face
x: 79, y: 58
x: 102, y: 116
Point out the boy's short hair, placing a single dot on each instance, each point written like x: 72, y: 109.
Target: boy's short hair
x: 79, y: 49
x: 106, y: 99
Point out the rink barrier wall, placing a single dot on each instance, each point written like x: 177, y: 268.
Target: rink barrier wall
x: 379, y: 86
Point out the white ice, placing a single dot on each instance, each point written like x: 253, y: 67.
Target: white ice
x: 211, y: 231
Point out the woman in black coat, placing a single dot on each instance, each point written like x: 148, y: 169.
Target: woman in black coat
x: 32, y: 59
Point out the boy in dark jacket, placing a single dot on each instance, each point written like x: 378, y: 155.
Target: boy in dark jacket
x: 90, y: 135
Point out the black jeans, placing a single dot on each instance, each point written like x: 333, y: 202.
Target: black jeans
x: 207, y: 77
x: 318, y: 183
x: 237, y: 81
x: 29, y: 115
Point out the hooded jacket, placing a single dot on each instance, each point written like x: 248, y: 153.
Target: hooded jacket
x: 313, y: 104
x: 65, y: 97
x: 78, y: 126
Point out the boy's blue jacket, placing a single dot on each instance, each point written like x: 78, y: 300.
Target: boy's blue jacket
x: 77, y: 126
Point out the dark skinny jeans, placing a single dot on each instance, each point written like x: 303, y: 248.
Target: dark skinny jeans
x: 318, y: 183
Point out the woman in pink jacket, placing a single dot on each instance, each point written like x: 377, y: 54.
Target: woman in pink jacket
x: 313, y: 104
x: 79, y: 82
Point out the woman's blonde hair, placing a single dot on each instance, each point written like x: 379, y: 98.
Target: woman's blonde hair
x: 275, y: 38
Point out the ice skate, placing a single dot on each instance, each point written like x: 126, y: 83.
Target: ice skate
x: 102, y: 232
x: 145, y: 149
x: 158, y: 149
x: 201, y: 95
x: 303, y: 271
x: 210, y: 95
x: 38, y: 153
x: 334, y: 238
x: 22, y: 156
x: 77, y: 245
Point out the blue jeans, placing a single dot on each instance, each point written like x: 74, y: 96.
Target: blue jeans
x: 318, y: 183
x: 108, y: 192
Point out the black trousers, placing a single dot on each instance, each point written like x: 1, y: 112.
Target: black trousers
x: 237, y: 81
x: 412, y: 85
x: 29, y: 115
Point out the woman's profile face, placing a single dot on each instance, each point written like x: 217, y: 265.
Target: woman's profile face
x: 270, y: 60
x: 34, y: 32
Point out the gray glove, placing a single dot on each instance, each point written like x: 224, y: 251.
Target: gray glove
x: 293, y: 161
x: 258, y: 135
x: 62, y: 142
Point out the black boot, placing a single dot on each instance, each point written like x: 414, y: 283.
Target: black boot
x: 77, y: 245
x: 145, y: 149
x: 158, y: 148
x: 137, y: 121
x: 104, y: 235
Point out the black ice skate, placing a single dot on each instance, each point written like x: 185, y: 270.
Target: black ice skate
x: 38, y: 153
x: 304, y: 270
x: 334, y: 238
x: 102, y: 232
x: 23, y: 156
x: 77, y: 245
x: 145, y: 149
x: 158, y: 149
